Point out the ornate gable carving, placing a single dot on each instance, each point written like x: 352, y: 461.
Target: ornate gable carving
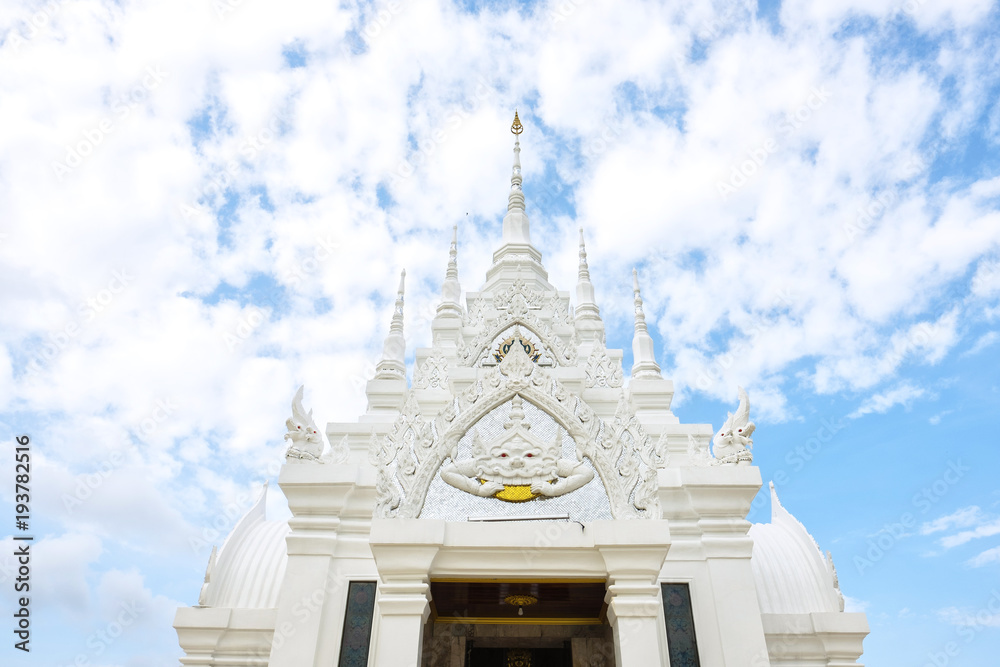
x: 414, y: 451
x: 518, y: 305
x: 433, y: 373
x: 602, y: 370
x: 517, y: 299
x: 628, y: 452
x: 479, y: 349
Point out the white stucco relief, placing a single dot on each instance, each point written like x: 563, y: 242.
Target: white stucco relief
x: 518, y: 305
x: 517, y: 466
x: 621, y: 452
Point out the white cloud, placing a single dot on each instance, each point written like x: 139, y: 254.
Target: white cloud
x: 854, y: 605
x: 986, y: 529
x: 964, y: 617
x: 881, y: 403
x: 986, y: 340
x: 963, y: 518
x: 986, y: 557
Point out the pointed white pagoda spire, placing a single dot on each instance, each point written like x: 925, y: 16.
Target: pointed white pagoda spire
x: 516, y: 257
x: 393, y: 363
x: 643, y: 356
x: 586, y: 307
x: 451, y: 289
x: 515, y: 224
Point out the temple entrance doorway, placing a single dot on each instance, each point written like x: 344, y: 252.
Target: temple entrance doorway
x: 518, y: 623
x: 519, y: 657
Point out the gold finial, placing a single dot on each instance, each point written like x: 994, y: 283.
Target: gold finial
x: 516, y: 128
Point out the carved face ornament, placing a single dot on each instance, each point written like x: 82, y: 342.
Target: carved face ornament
x: 518, y: 461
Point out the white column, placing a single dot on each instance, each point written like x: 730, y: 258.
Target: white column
x: 633, y: 553
x: 310, y: 603
x: 402, y: 608
x: 634, y: 611
x: 404, y: 550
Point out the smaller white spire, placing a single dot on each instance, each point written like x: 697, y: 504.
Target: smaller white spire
x: 393, y: 363
x: 451, y: 289
x: 586, y: 306
x: 643, y: 355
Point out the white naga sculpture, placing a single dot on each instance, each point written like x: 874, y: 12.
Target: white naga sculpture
x: 307, y: 443
x: 732, y: 444
x: 516, y: 466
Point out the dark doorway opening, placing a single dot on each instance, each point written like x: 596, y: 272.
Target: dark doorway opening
x: 520, y: 657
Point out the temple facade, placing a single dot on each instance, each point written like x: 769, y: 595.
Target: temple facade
x: 514, y: 498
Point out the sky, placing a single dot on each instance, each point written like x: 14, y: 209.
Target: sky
x: 204, y: 204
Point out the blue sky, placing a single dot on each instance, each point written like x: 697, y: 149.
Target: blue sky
x: 203, y: 206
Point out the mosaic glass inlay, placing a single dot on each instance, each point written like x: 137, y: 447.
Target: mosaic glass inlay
x: 681, y: 642
x: 357, y: 624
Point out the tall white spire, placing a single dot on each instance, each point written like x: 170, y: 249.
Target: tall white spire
x: 515, y: 223
x: 451, y: 289
x: 393, y: 363
x: 643, y: 355
x: 516, y: 257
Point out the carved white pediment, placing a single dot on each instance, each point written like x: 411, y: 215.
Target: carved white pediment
x: 412, y: 454
x: 496, y: 329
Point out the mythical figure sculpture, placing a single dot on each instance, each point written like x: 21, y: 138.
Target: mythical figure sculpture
x: 732, y: 444
x: 516, y: 466
x: 306, y: 441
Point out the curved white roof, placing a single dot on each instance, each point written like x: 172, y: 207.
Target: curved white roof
x: 789, y: 570
x: 251, y: 564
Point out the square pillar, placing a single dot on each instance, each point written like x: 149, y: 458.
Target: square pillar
x: 633, y: 553
x: 404, y: 550
x: 635, y: 614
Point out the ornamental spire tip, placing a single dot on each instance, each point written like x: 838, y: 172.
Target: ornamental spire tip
x: 516, y: 128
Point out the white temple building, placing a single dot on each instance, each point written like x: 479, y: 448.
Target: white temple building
x: 520, y: 501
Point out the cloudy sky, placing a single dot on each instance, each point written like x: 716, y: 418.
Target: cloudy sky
x: 205, y: 203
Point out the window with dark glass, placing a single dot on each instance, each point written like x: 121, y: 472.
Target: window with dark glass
x: 681, y: 642
x: 357, y: 624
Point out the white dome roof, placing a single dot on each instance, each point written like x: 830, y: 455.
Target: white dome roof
x: 789, y: 570
x: 251, y: 564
